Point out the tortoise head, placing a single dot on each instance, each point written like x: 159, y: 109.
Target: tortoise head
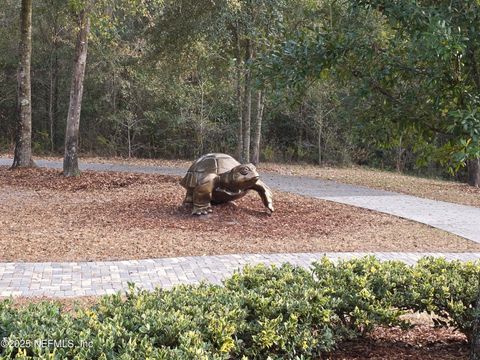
x: 243, y: 176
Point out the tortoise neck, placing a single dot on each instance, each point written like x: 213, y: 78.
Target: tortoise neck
x: 224, y: 179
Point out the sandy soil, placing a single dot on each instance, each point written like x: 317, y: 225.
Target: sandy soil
x: 46, y: 217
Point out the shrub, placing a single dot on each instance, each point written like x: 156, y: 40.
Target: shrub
x: 364, y: 292
x: 261, y: 312
x: 287, y: 314
x: 446, y: 289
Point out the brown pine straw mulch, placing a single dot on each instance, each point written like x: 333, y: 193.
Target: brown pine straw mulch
x: 99, y: 216
x: 422, y: 342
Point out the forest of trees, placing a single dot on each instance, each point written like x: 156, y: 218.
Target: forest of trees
x: 389, y: 84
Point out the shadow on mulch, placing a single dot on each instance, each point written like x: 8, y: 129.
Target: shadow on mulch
x: 52, y: 179
x: 420, y: 342
x: 362, y: 350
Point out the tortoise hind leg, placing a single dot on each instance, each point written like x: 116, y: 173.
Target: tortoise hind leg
x: 202, y: 195
x: 188, y: 198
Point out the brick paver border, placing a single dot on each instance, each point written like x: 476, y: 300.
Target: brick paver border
x: 74, y: 279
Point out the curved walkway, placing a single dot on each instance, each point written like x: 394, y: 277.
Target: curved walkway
x: 98, y: 278
x: 73, y: 279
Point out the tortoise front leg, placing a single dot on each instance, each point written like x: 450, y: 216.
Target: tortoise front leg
x: 265, y: 193
x: 202, y: 195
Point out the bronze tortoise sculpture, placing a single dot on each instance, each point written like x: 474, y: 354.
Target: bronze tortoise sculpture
x: 217, y: 178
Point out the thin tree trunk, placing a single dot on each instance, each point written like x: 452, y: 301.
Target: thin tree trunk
x: 23, y: 143
x: 474, y: 172
x: 129, y: 142
x: 247, y: 116
x: 399, y: 165
x: 300, y: 145
x: 55, y: 102
x: 114, y: 94
x: 258, y: 132
x: 471, y: 55
x: 202, y: 119
x: 320, y: 129
x: 70, y: 161
x: 247, y: 107
x: 474, y: 165
x: 300, y: 133
x: 239, y: 97
x: 53, y: 107
x: 51, y: 97
x: 53, y: 74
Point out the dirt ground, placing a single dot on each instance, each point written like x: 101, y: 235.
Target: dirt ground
x: 99, y: 216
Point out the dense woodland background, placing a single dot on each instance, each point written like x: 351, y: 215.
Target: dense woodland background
x: 390, y: 84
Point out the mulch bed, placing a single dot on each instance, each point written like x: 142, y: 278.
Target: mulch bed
x: 46, y: 217
x: 421, y: 342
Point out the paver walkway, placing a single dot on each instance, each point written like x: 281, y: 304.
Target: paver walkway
x: 97, y: 278
x: 106, y: 277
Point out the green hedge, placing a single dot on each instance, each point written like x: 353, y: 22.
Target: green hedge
x: 262, y: 312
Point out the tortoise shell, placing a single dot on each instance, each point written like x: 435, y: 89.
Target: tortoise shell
x: 214, y: 163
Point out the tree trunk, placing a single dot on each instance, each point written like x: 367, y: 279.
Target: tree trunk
x: 129, y: 142
x: 247, y: 107
x: 471, y: 55
x: 475, y: 336
x: 301, y: 114
x: 258, y: 132
x: 53, y: 89
x: 23, y: 142
x: 474, y: 165
x: 474, y: 172
x: 51, y: 100
x: 320, y: 129
x: 399, y: 160
x: 239, y: 97
x: 70, y: 161
x: 55, y: 139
